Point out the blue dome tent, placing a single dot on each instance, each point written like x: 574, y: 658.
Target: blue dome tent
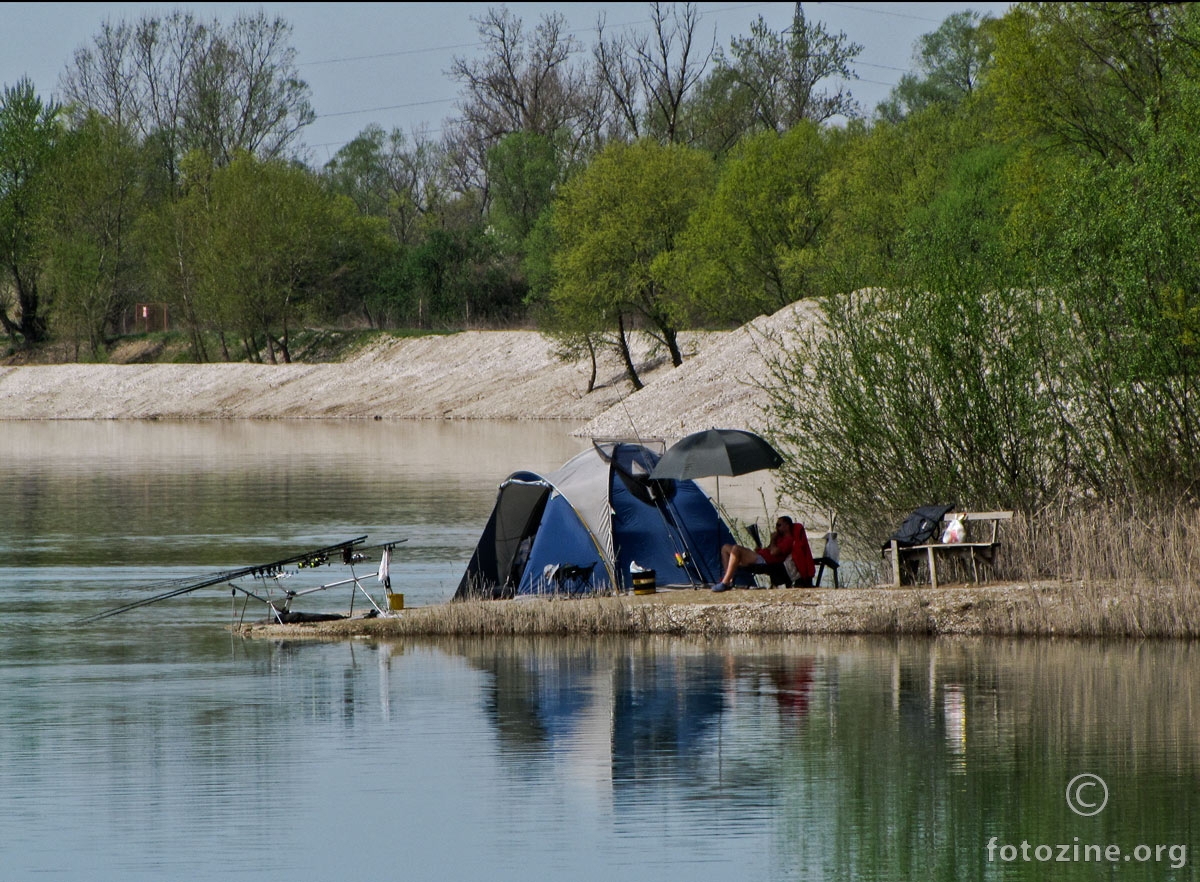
x: 580, y: 528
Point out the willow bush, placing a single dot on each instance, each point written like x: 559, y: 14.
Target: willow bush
x: 1050, y: 405
x: 909, y: 397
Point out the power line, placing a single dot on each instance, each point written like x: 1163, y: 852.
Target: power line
x: 882, y: 12
x: 388, y: 107
x: 880, y: 66
x: 396, y: 54
x: 399, y: 53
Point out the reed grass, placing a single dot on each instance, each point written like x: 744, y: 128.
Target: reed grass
x: 1121, y: 573
x: 1094, y: 572
x: 536, y: 616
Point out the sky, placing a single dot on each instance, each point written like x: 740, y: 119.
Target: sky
x: 387, y: 63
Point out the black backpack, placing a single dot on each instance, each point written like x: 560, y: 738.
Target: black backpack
x: 920, y: 526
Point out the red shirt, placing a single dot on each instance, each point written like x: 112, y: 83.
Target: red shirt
x: 778, y: 550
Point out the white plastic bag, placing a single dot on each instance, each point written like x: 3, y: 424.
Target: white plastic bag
x: 954, y: 532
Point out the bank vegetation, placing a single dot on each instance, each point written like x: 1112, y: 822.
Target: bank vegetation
x: 1058, y: 609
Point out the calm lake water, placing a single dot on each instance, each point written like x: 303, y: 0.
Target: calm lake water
x: 155, y: 745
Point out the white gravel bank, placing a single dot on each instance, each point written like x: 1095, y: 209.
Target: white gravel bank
x: 472, y: 375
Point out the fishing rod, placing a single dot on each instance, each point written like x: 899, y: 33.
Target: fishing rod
x: 684, y: 557
x: 321, y: 557
x: 313, y: 558
x: 685, y: 534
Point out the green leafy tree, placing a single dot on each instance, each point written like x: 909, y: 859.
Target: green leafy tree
x: 879, y: 177
x: 29, y: 135
x: 91, y: 251
x: 1125, y: 268
x: 1086, y: 75
x: 457, y: 277
x: 951, y: 63
x: 575, y: 334
x: 961, y: 234
x: 173, y: 236
x: 269, y: 246
x: 523, y: 170
x: 251, y: 248
x: 618, y: 221
x: 752, y: 246
x: 364, y: 262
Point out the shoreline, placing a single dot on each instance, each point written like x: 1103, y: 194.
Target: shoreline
x: 1047, y: 609
x: 470, y: 375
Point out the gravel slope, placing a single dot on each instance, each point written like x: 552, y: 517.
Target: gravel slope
x: 472, y: 375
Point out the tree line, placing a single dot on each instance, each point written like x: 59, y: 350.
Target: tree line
x: 1003, y: 249
x: 173, y: 171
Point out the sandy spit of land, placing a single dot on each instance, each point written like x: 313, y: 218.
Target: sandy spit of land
x: 998, y: 609
x: 506, y: 375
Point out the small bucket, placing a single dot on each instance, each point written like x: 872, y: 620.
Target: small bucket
x: 395, y: 601
x: 643, y: 582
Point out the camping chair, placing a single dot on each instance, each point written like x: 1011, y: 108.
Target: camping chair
x: 569, y: 578
x: 797, y: 570
x: 829, y: 558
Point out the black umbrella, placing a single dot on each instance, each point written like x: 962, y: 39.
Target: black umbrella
x: 717, y: 452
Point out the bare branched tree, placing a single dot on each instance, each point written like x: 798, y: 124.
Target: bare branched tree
x: 649, y: 77
x: 218, y: 88
x: 521, y: 83
x: 246, y: 94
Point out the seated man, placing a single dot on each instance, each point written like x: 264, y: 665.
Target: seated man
x: 735, y: 556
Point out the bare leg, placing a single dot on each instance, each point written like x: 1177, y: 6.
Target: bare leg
x: 733, y: 557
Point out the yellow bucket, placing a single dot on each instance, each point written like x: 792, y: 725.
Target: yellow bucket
x: 644, y: 582
x: 395, y: 601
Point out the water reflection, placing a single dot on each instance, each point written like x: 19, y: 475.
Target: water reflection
x: 856, y: 759
x: 865, y: 757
